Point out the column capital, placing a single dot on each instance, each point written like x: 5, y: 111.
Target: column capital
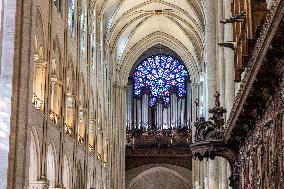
x: 56, y: 80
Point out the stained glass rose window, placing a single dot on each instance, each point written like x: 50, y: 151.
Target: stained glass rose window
x: 160, y: 76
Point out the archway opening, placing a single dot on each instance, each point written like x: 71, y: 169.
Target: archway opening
x: 51, y: 166
x: 34, y: 160
x: 159, y: 100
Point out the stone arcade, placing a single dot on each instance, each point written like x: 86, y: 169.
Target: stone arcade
x: 135, y: 94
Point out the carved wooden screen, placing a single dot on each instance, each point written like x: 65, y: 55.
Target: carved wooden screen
x: 262, y: 154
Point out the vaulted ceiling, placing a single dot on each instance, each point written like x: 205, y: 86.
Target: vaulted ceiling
x: 133, y: 26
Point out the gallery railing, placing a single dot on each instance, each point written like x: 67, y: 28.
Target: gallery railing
x: 53, y: 117
x: 38, y: 103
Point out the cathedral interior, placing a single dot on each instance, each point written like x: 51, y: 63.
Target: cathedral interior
x: 142, y: 94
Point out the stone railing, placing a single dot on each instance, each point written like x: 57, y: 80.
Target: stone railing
x: 38, y: 103
x: 91, y: 149
x: 80, y: 139
x: 53, y: 117
x: 68, y: 130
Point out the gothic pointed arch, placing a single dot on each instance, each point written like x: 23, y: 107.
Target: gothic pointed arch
x: 51, y: 165
x: 70, y: 97
x: 161, y: 174
x: 39, y: 79
x: 82, y: 110
x: 158, y: 100
x: 56, y: 78
x: 34, y: 160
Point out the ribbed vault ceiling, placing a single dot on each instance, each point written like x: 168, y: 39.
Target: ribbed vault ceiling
x: 134, y: 26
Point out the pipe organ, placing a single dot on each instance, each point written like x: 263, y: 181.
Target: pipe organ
x: 159, y: 103
x: 140, y: 115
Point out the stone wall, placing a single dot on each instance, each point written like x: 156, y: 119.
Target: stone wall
x: 159, y: 176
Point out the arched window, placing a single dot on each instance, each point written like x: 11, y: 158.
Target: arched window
x: 33, y: 167
x: 57, y: 3
x: 82, y: 111
x: 40, y: 65
x: 93, y: 44
x: 83, y: 29
x: 56, y: 78
x: 70, y: 99
x: 159, y: 94
x: 91, y: 128
x: 71, y: 16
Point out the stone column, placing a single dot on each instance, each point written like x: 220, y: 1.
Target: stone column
x: 229, y: 60
x: 123, y: 136
x: 221, y: 71
x: 211, y: 77
x: 6, y: 77
x: 205, y: 174
x: 210, y: 52
x: 114, y: 137
x: 221, y: 65
x: 223, y: 174
x: 197, y: 168
x: 213, y: 174
x: 16, y: 70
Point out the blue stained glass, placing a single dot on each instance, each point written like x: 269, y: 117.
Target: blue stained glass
x: 161, y: 75
x: 71, y: 15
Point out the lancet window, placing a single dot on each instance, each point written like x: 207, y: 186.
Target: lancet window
x: 70, y: 99
x: 83, y: 29
x: 40, y: 65
x: 57, y: 3
x: 92, y: 128
x: 82, y: 111
x: 56, y: 79
x: 71, y: 15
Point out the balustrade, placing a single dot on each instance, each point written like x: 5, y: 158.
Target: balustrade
x: 38, y: 103
x: 53, y: 117
x: 80, y: 139
x: 69, y: 130
x: 91, y: 149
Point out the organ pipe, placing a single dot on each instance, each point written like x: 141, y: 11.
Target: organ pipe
x: 140, y: 115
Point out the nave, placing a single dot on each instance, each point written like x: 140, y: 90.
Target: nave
x: 156, y: 94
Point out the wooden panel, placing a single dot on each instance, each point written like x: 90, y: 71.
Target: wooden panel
x: 246, y: 32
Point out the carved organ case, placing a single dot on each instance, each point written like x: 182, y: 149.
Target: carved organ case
x: 251, y: 15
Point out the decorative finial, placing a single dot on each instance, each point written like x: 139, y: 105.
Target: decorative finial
x: 213, y: 128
